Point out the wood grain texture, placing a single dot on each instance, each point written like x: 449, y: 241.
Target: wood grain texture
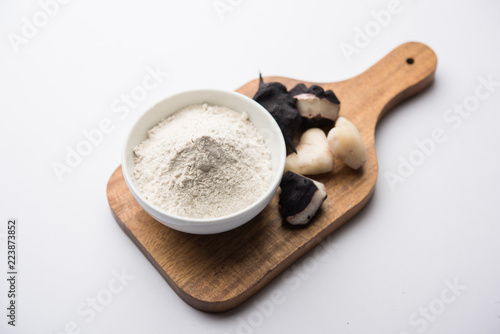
x: 218, y: 272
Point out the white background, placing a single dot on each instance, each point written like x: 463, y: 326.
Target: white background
x: 377, y: 274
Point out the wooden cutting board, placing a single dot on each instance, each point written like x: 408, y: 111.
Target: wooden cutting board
x: 218, y: 272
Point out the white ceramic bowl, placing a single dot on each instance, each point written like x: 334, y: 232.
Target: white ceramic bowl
x: 261, y: 119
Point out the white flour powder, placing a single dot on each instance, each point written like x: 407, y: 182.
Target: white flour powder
x: 203, y: 162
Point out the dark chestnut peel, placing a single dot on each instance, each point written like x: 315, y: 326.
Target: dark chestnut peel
x: 300, y: 198
x: 275, y: 98
x: 315, y: 104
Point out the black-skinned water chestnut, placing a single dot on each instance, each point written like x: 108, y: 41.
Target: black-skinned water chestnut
x: 275, y: 98
x: 314, y: 103
x: 300, y: 198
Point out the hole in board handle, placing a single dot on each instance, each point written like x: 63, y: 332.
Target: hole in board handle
x: 410, y: 61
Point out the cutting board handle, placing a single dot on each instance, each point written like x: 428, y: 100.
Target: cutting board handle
x: 402, y: 73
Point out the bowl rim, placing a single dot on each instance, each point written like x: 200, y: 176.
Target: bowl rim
x: 177, y: 220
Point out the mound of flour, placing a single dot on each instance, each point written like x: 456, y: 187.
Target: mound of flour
x: 204, y: 161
